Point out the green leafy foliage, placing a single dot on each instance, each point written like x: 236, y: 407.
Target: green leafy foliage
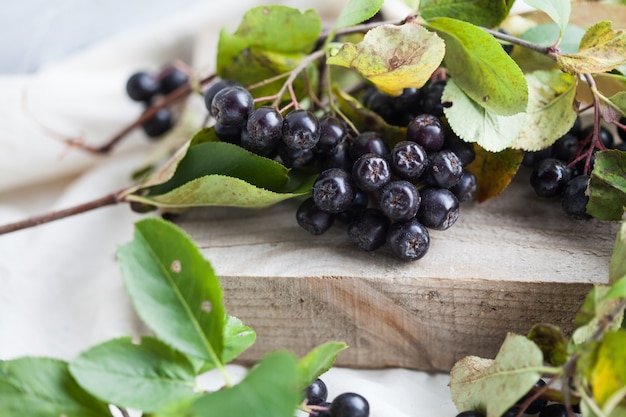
x: 550, y: 113
x: 393, y: 57
x: 357, y: 11
x: 607, y: 187
x: 602, y: 49
x: 494, y: 170
x: 146, y: 375
x: 493, y: 386
x: 617, y: 265
x: 270, y: 40
x: 547, y: 34
x: 478, y: 12
x: 174, y: 289
x: 318, y: 361
x: 473, y: 122
x: 481, y: 68
x: 43, y: 387
x: 270, y: 389
x: 558, y: 10
x: 552, y: 342
x: 237, y: 338
x: 609, y: 374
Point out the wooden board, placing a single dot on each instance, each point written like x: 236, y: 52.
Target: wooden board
x: 506, y: 264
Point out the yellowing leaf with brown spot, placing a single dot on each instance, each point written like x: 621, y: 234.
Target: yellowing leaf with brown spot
x: 393, y: 57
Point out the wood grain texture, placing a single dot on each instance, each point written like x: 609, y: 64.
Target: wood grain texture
x: 506, y: 264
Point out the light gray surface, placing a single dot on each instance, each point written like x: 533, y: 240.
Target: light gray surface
x: 36, y: 32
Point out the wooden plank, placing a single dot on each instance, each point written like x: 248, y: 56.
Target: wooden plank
x: 506, y: 264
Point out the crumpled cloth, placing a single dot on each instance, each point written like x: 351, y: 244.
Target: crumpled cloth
x: 60, y: 287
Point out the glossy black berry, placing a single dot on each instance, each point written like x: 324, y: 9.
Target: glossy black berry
x: 554, y: 410
x: 339, y: 157
x: 312, y: 219
x: 332, y: 132
x: 213, y: 89
x: 380, y: 103
x: 230, y: 134
x: 368, y: 142
x: 431, y: 98
x: 464, y: 150
x: 333, y: 190
x: 549, y: 177
x: 142, y: 86
x: 349, y: 404
x: 296, y: 158
x: 439, y: 208
x: 172, y: 78
x: 231, y: 106
x: 399, y: 200
x: 605, y: 135
x: 408, y: 160
x: 565, y: 147
x: 301, y: 130
x: 408, y: 240
x: 574, y: 200
x: 359, y: 203
x: 264, y: 127
x: 465, y: 188
x: 427, y: 131
x: 445, y: 168
x: 370, y: 172
x: 534, y: 157
x: 158, y: 124
x: 368, y: 230
x: 470, y: 414
x: 264, y: 146
x: 316, y: 393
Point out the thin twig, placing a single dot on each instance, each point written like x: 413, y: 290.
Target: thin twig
x: 549, y: 51
x: 294, y: 73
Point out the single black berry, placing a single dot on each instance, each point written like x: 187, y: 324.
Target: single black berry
x: 231, y: 106
x: 349, y: 404
x: 332, y: 132
x: 574, y: 200
x: 426, y: 130
x: 408, y: 160
x: 333, y: 190
x: 554, y: 410
x: 532, y: 158
x: 439, y: 208
x: 213, y: 89
x: 339, y: 157
x: 464, y: 150
x: 158, y: 124
x: 368, y: 230
x: 370, y: 172
x: 565, y: 147
x: 445, y: 168
x: 301, y: 130
x: 368, y: 142
x: 267, y: 147
x: 295, y: 158
x: 549, y: 177
x: 172, y: 78
x: 316, y: 393
x: 431, y: 98
x: 230, y: 134
x: 359, y: 203
x: 142, y: 86
x: 312, y: 219
x: 264, y: 127
x: 465, y: 188
x: 399, y: 200
x: 408, y: 240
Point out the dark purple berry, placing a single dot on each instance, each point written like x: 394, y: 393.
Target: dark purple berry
x: 333, y: 190
x: 142, y: 86
x: 264, y: 147
x: 301, y: 130
x: 368, y: 142
x: 465, y: 188
x: 408, y: 160
x: 549, y: 177
x: 312, y: 219
x: 464, y: 150
x: 408, y: 240
x: 370, y: 172
x: 296, y: 158
x: 359, y: 203
x: 439, y: 208
x: 172, y: 78
x: 332, y: 132
x: 565, y: 147
x: 158, y: 124
x: 231, y: 106
x: 427, y: 131
x: 445, y: 168
x: 431, y: 98
x: 368, y: 230
x: 230, y: 134
x: 554, y: 410
x: 264, y: 127
x: 574, y: 200
x: 605, y: 135
x: 532, y: 158
x: 213, y: 89
x: 339, y: 157
x: 316, y: 393
x: 399, y: 200
x: 349, y: 404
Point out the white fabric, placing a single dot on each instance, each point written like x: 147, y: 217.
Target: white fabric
x: 60, y: 288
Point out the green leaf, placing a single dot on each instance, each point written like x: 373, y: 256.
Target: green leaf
x: 609, y: 375
x: 493, y: 386
x: 217, y: 190
x: 488, y: 13
x: 270, y: 389
x: 617, y: 265
x: 270, y: 40
x: 221, y: 158
x: 601, y: 49
x: 607, y: 187
x: 618, y: 100
x: 145, y: 376
x: 558, y: 10
x: 494, y: 171
x: 43, y: 387
x: 596, y: 313
x: 237, y: 338
x: 393, y: 57
x: 474, y: 123
x: 480, y: 66
x: 357, y: 11
x: 318, y: 361
x: 551, y: 111
x: 174, y: 289
x: 551, y: 341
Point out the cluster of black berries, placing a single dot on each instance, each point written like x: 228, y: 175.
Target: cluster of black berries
x: 559, y: 172
x: 385, y: 196
x: 348, y: 404
x: 145, y: 87
x: 539, y: 407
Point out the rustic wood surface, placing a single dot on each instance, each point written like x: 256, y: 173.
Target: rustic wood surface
x: 506, y: 264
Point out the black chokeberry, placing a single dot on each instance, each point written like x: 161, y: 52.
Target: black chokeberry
x: 171, y: 79
x: 296, y: 158
x: 158, y: 124
x: 231, y: 106
x: 316, y: 393
x: 312, y: 219
x: 554, y: 410
x: 439, y: 208
x: 409, y: 240
x: 301, y: 130
x: 399, y: 200
x: 549, y: 177
x: 427, y: 131
x: 464, y: 150
x: 408, y: 160
x: 368, y: 230
x: 333, y: 190
x: 142, y: 86
x: 371, y: 171
x: 465, y: 188
x: 213, y: 89
x: 332, y: 132
x: 445, y: 168
x: 264, y: 127
x: 368, y: 142
x: 532, y: 158
x: 431, y: 98
x: 230, y: 134
x: 565, y: 147
x: 574, y: 200
x: 349, y: 404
